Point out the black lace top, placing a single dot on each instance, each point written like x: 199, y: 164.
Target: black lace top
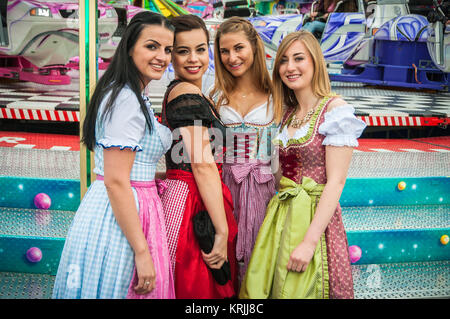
x: 191, y: 110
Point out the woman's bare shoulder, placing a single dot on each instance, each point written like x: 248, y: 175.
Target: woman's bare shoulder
x: 183, y: 88
x: 336, y: 103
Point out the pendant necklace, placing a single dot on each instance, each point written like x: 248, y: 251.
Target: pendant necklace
x: 297, y: 123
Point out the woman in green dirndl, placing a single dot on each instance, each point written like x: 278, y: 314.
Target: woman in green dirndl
x: 301, y: 250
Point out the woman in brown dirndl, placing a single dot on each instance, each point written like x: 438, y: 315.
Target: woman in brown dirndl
x: 301, y: 250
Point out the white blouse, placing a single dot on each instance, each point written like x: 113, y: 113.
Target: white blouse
x: 126, y: 126
x: 258, y: 116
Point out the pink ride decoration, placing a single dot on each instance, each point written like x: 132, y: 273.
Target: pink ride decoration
x: 34, y: 254
x: 42, y: 201
x: 355, y: 253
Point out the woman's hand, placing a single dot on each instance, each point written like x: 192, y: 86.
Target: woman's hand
x: 301, y: 257
x: 145, y: 272
x: 218, y: 255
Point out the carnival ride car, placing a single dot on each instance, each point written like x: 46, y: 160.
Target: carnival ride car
x: 37, y: 39
x: 377, y: 13
x: 382, y: 44
x: 47, y: 45
x: 404, y: 51
x: 343, y: 31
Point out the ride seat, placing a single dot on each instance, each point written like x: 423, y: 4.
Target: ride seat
x: 369, y: 11
x: 422, y: 7
x: 237, y: 8
x: 341, y: 6
x: 236, y: 12
x: 347, y: 6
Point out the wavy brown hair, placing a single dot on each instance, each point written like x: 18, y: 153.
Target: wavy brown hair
x: 224, y: 81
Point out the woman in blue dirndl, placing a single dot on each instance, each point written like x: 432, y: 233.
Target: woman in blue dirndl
x: 116, y: 246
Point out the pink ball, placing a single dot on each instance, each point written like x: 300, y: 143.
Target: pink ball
x: 34, y: 254
x: 355, y: 253
x: 42, y: 201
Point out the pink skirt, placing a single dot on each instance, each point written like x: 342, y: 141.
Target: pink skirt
x: 252, y: 185
x: 153, y: 225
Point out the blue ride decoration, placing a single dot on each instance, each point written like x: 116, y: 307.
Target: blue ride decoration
x: 21, y: 192
x: 385, y: 192
x: 343, y: 32
x: 399, y: 246
x: 272, y: 29
x: 424, y: 201
x: 13, y: 254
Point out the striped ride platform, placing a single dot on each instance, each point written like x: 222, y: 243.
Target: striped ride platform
x: 397, y: 231
x: 61, y: 142
x: 375, y: 106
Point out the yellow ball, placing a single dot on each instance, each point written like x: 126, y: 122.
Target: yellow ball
x: 401, y: 186
x: 444, y: 239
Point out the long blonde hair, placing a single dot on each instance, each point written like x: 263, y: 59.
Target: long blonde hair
x: 321, y: 86
x: 224, y: 81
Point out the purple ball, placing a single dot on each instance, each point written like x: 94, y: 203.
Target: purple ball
x: 34, y: 254
x: 42, y: 201
x: 355, y: 253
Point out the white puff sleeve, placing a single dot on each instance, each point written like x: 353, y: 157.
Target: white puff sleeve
x: 125, y: 126
x: 341, y: 127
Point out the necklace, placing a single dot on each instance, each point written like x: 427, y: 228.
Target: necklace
x: 243, y: 95
x: 297, y: 123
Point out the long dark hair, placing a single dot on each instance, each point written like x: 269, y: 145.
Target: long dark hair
x: 121, y: 71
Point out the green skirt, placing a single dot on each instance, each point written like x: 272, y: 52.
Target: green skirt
x: 288, y: 217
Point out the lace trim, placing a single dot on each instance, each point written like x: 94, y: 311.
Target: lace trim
x: 203, y: 100
x: 237, y: 124
x: 135, y: 148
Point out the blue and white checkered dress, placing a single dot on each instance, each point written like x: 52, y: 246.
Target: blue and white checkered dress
x: 97, y: 260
